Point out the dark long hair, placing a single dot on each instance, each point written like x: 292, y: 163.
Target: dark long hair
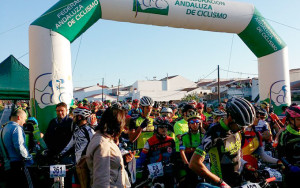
x: 112, y: 122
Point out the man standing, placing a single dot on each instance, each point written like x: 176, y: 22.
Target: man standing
x: 59, y: 131
x: 13, y: 138
x: 58, y: 135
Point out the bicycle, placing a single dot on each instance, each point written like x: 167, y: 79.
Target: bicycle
x: 42, y: 173
x: 262, y: 184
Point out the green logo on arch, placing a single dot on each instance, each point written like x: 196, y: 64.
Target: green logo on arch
x: 151, y: 6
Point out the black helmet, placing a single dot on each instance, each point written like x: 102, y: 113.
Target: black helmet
x: 260, y: 111
x: 241, y: 110
x: 161, y: 122
x: 156, y: 104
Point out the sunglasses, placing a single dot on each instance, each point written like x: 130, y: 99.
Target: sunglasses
x: 194, y: 121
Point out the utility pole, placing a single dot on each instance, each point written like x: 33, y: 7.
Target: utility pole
x: 102, y: 88
x: 219, y: 95
x: 118, y: 91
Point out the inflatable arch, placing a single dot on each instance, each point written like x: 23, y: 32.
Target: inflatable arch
x: 51, y: 34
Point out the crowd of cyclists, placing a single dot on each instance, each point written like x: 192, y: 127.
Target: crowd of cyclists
x: 186, y: 144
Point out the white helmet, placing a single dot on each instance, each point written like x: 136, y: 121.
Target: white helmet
x: 166, y: 110
x: 146, y: 101
x: 82, y: 111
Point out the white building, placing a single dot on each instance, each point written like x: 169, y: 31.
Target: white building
x: 169, y: 88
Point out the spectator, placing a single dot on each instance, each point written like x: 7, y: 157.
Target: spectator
x: 104, y: 158
x: 13, y: 138
x: 58, y: 135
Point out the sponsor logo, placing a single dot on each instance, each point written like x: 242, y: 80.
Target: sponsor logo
x: 160, y: 7
x: 278, y: 92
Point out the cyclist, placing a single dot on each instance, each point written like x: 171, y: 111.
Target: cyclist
x: 252, y: 150
x: 141, y: 127
x: 208, y: 114
x: 189, y: 142
x: 82, y: 133
x: 289, y: 146
x: 159, y: 148
x: 135, y: 110
x: 261, y: 125
x: 85, y: 102
x: 223, y: 143
x: 272, y: 118
x: 181, y: 126
x: 156, y: 110
x: 166, y: 112
x: 218, y: 115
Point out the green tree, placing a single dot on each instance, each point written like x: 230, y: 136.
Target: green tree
x: 192, y: 96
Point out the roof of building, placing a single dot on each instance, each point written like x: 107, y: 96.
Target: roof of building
x: 169, y: 77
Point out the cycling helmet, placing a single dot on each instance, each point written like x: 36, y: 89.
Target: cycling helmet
x: 116, y: 105
x: 166, y: 110
x: 181, y: 105
x: 218, y: 112
x: 156, y: 105
x: 82, y: 111
x: 260, y: 111
x: 264, y: 104
x: 146, y: 101
x: 24, y: 104
x: 32, y: 120
x: 126, y: 106
x: 200, y: 105
x: 293, y: 112
x: 241, y: 111
x: 192, y: 102
x: 192, y: 114
x: 173, y: 106
x: 161, y: 122
x: 135, y: 101
x: 85, y: 100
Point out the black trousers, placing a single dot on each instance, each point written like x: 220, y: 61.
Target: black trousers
x: 18, y: 176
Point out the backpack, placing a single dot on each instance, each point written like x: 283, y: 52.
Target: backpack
x: 82, y: 169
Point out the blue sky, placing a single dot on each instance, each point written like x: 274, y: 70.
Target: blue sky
x: 129, y: 52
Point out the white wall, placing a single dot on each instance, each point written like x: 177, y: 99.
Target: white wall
x: 295, y: 75
x: 148, y: 85
x: 179, y: 82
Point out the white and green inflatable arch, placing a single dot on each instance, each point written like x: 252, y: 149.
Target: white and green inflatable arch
x: 51, y: 34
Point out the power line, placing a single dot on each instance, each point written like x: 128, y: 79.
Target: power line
x: 230, y: 53
x: 22, y: 55
x: 238, y: 72
x: 77, y: 55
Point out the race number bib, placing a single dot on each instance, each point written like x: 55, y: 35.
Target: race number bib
x: 251, y: 185
x: 57, y: 171
x: 155, y: 169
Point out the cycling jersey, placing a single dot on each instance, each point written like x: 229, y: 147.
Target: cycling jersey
x: 180, y: 128
x: 81, y: 138
x: 189, y: 142
x: 251, y: 141
x: 156, y: 150
x: 262, y: 126
x: 135, y: 112
x: 208, y: 117
x: 146, y: 133
x: 289, y: 145
x: 224, y: 148
x: 289, y: 148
